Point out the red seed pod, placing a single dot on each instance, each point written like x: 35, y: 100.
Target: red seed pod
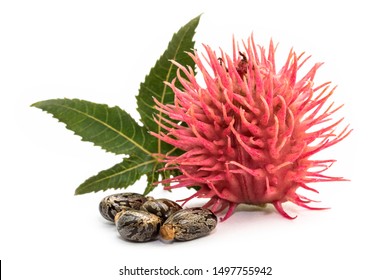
x: 250, y: 131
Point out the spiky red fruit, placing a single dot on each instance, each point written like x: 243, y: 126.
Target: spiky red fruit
x: 249, y: 133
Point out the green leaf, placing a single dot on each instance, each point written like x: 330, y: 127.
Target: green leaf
x: 164, y: 70
x: 108, y: 127
x: 119, y: 176
x: 116, y: 131
x: 152, y: 177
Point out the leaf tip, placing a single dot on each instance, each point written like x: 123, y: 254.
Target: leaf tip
x: 78, y: 191
x: 197, y: 18
x: 37, y: 104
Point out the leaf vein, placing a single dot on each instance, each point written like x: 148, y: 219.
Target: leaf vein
x: 139, y: 146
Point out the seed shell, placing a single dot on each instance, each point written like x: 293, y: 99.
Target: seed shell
x: 161, y: 207
x: 188, y: 224
x: 137, y: 225
x: 111, y: 205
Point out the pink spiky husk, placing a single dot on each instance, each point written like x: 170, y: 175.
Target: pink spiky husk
x: 249, y: 133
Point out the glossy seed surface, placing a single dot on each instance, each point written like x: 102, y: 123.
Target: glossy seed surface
x: 161, y: 207
x: 188, y: 224
x: 137, y: 225
x: 113, y: 204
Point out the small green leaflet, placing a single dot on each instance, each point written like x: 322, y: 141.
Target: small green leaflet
x: 120, y: 175
x: 114, y: 130
x: 108, y: 127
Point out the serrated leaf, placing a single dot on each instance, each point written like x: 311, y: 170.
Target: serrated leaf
x: 119, y: 176
x: 108, y: 127
x: 164, y: 70
x: 116, y: 131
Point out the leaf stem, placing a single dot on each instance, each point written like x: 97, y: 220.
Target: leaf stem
x: 171, y: 151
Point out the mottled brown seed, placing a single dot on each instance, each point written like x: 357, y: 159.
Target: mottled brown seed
x: 137, y: 225
x: 161, y: 207
x: 188, y: 224
x: 113, y: 204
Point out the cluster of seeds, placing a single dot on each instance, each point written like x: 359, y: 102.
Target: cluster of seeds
x: 140, y: 219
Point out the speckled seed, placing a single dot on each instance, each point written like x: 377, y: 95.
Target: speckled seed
x: 112, y: 204
x: 188, y: 224
x: 161, y: 207
x: 137, y: 225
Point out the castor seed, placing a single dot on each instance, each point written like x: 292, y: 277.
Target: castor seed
x: 110, y: 205
x: 161, y: 207
x: 137, y: 225
x: 188, y: 224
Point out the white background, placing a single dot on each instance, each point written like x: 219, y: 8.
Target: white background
x: 100, y: 51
